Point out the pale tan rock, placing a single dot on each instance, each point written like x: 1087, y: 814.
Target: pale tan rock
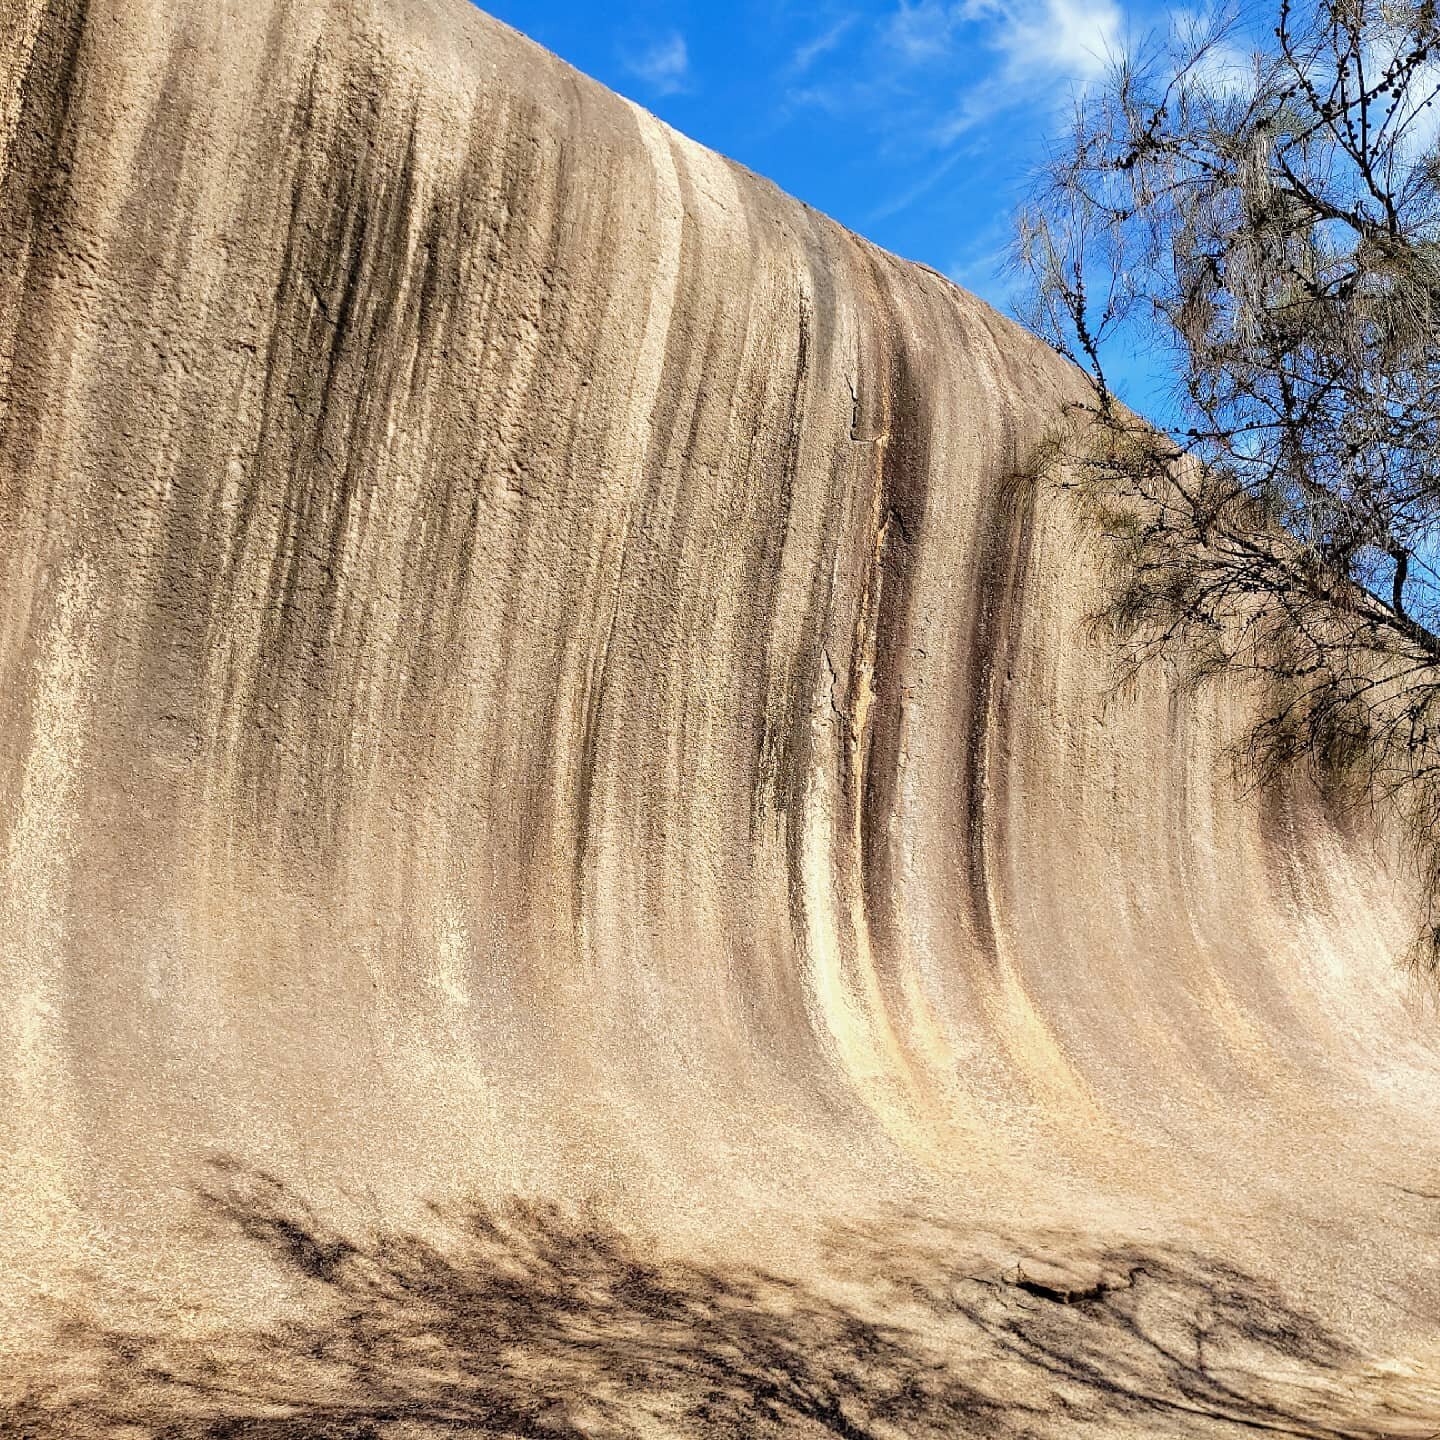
x: 521, y: 674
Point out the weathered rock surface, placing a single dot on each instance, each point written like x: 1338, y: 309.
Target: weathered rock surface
x: 524, y: 684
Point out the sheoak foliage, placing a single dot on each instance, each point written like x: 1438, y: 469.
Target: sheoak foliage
x: 1262, y: 214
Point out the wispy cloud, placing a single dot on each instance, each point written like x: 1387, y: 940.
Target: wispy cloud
x: 807, y: 54
x: 940, y: 73
x: 1071, y: 38
x: 922, y: 32
x: 1414, y: 115
x: 664, y: 65
x: 1065, y: 39
x: 926, y: 183
x: 1222, y: 64
x: 1044, y: 48
x: 1031, y: 43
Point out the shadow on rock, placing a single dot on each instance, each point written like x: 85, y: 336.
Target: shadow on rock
x: 528, y: 1320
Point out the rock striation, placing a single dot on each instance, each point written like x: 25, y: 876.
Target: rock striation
x: 568, y: 860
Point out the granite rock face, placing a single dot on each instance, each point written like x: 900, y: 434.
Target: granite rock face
x: 542, y: 741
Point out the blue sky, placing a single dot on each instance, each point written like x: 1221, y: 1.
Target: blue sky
x: 913, y: 122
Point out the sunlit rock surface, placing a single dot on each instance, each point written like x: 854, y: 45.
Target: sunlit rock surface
x: 570, y: 865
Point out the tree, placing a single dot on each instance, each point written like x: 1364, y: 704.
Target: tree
x: 1265, y: 220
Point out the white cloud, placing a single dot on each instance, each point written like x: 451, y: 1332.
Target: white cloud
x: 663, y: 65
x: 1225, y: 69
x: 954, y: 66
x: 1416, y: 123
x: 924, y: 31
x: 1221, y: 65
x: 1048, y: 49
x: 1074, y: 39
x: 1056, y: 39
x: 807, y: 54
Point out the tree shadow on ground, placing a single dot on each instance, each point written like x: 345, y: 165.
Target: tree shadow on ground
x: 529, y: 1320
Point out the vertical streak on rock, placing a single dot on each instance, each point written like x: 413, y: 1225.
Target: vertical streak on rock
x: 639, y: 439
x: 37, y: 258
x: 36, y: 939
x: 1006, y: 538
x: 48, y: 612
x: 848, y: 937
